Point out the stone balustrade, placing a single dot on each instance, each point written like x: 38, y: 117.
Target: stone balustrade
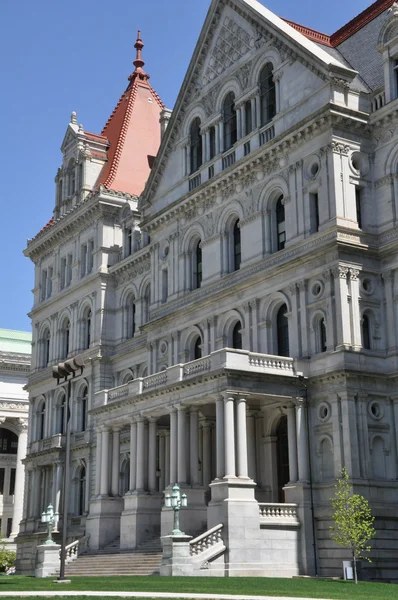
x: 272, y: 514
x: 206, y: 540
x: 75, y: 548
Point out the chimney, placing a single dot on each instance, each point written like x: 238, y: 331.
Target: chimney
x: 164, y: 121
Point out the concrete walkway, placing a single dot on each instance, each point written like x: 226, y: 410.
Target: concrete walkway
x: 63, y: 592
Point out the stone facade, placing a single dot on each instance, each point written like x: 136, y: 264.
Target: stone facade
x: 238, y: 321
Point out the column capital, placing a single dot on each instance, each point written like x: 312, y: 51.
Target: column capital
x: 340, y: 272
x: 22, y: 425
x: 354, y: 274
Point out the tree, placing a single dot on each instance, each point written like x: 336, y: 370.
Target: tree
x: 353, y: 521
x: 7, y: 558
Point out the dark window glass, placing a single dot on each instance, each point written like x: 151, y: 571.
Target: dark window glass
x: 62, y: 408
x: 237, y: 246
x: 82, y: 490
x: 198, y: 266
x: 267, y: 94
x: 237, y: 337
x: 358, y: 201
x: 84, y: 409
x: 248, y: 117
x: 314, y: 208
x: 212, y: 133
x: 46, y: 348
x: 282, y: 446
x: 88, y: 330
x: 42, y: 415
x: 12, y: 482
x: 282, y: 331
x: 196, y: 146
x: 322, y: 335
x: 9, y: 527
x: 198, y: 349
x: 366, y: 332
x: 230, y: 127
x: 2, y: 475
x: 280, y: 224
x: 8, y: 442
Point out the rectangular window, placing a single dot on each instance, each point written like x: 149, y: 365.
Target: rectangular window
x: 44, y: 276
x: 9, y: 527
x: 314, y: 212
x: 212, y: 134
x: 83, y: 260
x: 63, y: 273
x: 50, y: 282
x: 165, y: 285
x: 129, y: 242
x: 69, y: 270
x: 248, y: 117
x: 12, y: 482
x: 2, y: 477
x: 358, y: 202
x: 90, y: 256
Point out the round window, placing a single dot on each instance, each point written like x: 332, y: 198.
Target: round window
x: 375, y: 410
x: 324, y: 411
x: 367, y: 285
x: 317, y: 289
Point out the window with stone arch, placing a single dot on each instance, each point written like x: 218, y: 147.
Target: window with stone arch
x: 378, y: 457
x: 195, y: 146
x: 319, y: 327
x: 366, y: 331
x: 41, y: 420
x: 146, y: 303
x: 127, y: 378
x: 82, y: 409
x: 197, y: 264
x: 8, y: 441
x: 267, y: 94
x: 194, y: 347
x: 87, y: 328
x: 81, y: 490
x: 61, y: 416
x: 71, y: 177
x: 326, y: 459
x: 124, y: 485
x: 236, y: 336
x: 280, y: 224
x: 65, y: 338
x: 45, y: 348
x: 130, y: 317
x: 282, y: 331
x: 229, y: 121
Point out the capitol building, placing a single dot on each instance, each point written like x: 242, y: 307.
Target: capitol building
x: 227, y: 270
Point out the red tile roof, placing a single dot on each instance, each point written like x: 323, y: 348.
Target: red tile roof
x: 348, y: 29
x: 133, y: 132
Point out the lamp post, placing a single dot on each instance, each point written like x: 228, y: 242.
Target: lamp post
x: 50, y: 518
x: 64, y: 372
x: 176, y: 501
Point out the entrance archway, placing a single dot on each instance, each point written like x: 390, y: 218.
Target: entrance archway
x: 282, y: 453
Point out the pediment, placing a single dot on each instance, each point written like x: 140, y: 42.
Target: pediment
x: 69, y: 138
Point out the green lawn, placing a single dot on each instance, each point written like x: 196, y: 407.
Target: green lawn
x: 298, y: 588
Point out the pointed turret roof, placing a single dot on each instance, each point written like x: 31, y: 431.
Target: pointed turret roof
x: 133, y: 132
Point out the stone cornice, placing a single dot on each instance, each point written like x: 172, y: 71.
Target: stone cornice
x: 132, y: 266
x: 11, y: 361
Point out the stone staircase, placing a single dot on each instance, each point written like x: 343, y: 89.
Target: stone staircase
x: 110, y: 561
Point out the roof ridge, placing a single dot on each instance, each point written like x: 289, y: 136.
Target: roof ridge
x: 312, y: 34
x: 364, y: 17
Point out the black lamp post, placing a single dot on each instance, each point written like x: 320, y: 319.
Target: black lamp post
x: 64, y: 372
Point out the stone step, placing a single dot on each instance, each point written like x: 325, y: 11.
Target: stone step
x: 115, y: 563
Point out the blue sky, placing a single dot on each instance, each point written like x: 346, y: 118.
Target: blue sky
x: 56, y: 57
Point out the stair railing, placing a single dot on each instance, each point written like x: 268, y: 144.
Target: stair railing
x: 75, y: 548
x: 207, y: 540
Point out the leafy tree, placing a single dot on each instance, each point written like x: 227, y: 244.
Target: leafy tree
x: 353, y: 521
x: 7, y: 558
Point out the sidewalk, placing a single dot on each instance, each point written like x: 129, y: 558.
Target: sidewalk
x: 62, y: 592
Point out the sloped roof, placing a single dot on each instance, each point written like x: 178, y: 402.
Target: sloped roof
x: 133, y: 132
x: 15, y: 341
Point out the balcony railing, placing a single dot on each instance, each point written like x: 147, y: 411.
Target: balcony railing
x: 55, y: 441
x: 378, y: 101
x: 228, y: 359
x: 228, y: 160
x: 195, y: 182
x: 276, y: 515
x: 267, y: 134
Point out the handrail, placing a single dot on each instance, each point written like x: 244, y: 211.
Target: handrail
x: 206, y: 540
x: 75, y: 548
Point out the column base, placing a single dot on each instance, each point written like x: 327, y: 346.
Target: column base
x: 193, y: 518
x: 299, y: 493
x: 103, y: 521
x: 140, y: 519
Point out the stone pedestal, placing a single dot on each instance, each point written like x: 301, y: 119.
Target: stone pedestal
x: 193, y: 518
x: 140, y: 519
x: 47, y: 560
x: 300, y: 494
x: 103, y: 521
x: 176, y: 556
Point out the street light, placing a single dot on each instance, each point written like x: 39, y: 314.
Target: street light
x: 176, y: 501
x: 50, y: 518
x: 63, y: 371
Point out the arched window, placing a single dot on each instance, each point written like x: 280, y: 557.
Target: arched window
x: 45, y: 359
x: 282, y: 330
x: 62, y: 414
x: 197, y: 266
x: 267, y: 94
x: 195, y: 150
x: 81, y: 494
x: 237, y: 336
x: 130, y: 317
x: 322, y: 335
x: 65, y: 335
x: 83, y: 409
x: 229, y: 116
x: 236, y: 259
x: 41, y: 420
x: 197, y: 349
x: 71, y: 177
x: 124, y: 478
x: 280, y: 224
x: 282, y: 455
x: 87, y: 319
x: 146, y: 302
x: 8, y: 441
x: 366, y: 332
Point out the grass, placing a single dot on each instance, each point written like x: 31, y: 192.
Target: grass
x: 297, y: 588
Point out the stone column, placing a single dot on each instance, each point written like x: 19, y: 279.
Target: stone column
x: 133, y: 455
x: 115, y: 461
x: 221, y: 135
x: 341, y: 306
x: 162, y: 461
x: 251, y: 446
x: 206, y: 466
x: 167, y: 458
x: 19, y: 477
x: 105, y: 462
x: 388, y: 278
x: 254, y: 113
x: 356, y: 338
x: 173, y: 447
x: 243, y: 119
x: 57, y: 486
x: 140, y: 456
x: 194, y: 449
x: 220, y: 465
x: 239, y: 123
x: 182, y: 451
x: 98, y: 454
x: 302, y: 440
x: 302, y: 287
x: 292, y: 442
x: 229, y: 436
x: 241, y: 435
x: 152, y: 482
